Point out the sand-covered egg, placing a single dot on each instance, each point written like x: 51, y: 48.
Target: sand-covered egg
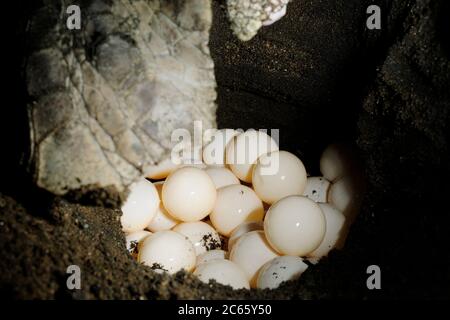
x: 251, y: 252
x: 317, y: 189
x: 222, y: 271
x: 168, y: 251
x: 334, y: 223
x: 134, y: 241
x: 202, y: 235
x: 295, y: 226
x: 222, y: 177
x: 277, y: 175
x: 162, y: 220
x: 216, y: 254
x: 244, y: 149
x: 214, y: 151
x: 279, y: 270
x: 189, y: 194
x: 235, y: 204
x: 242, y: 229
x: 140, y: 206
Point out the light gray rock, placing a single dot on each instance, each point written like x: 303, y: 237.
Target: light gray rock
x: 105, y: 99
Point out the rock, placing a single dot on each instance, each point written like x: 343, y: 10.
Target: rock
x: 104, y: 100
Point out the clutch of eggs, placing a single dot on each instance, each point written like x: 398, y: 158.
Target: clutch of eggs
x: 248, y: 217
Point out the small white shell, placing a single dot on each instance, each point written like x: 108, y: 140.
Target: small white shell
x: 242, y: 229
x: 201, y: 234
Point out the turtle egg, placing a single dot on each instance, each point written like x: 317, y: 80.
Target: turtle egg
x: 211, y: 255
x: 245, y: 148
x: 345, y: 195
x: 162, y: 220
x: 134, y: 241
x: 277, y: 175
x: 235, y: 204
x: 168, y: 251
x: 140, y: 207
x: 295, y: 225
x: 201, y: 234
x: 335, y: 161
x: 222, y: 177
x: 161, y: 170
x: 214, y: 152
x: 242, y: 229
x: 335, y: 221
x: 189, y: 194
x: 317, y: 189
x: 224, y: 272
x: 279, y: 270
x: 251, y: 252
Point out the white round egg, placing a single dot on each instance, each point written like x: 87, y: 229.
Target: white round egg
x: 168, y: 251
x: 244, y: 149
x: 211, y: 255
x: 235, y: 204
x: 224, y: 272
x: 251, y: 252
x: 189, y: 194
x: 345, y: 195
x: 317, y: 189
x: 335, y: 222
x: 214, y: 152
x: 277, y: 175
x: 279, y: 270
x: 140, y: 207
x: 162, y: 220
x: 242, y: 229
x: 222, y: 177
x: 134, y: 241
x: 295, y: 226
x: 201, y: 234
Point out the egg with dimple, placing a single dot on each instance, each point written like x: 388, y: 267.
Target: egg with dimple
x: 317, y: 189
x: 277, y: 175
x: 201, y: 234
x: 235, y: 204
x: 189, y: 194
x: 244, y: 149
x: 214, y: 151
x: 134, y: 241
x: 295, y: 226
x: 334, y: 223
x: 242, y: 229
x: 140, y: 207
x: 224, y: 272
x: 251, y: 252
x: 222, y: 177
x: 211, y: 255
x: 162, y: 220
x: 279, y: 270
x: 168, y: 251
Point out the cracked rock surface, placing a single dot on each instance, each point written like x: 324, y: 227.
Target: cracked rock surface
x: 105, y: 99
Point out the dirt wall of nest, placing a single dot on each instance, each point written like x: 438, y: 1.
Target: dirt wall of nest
x: 319, y: 76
